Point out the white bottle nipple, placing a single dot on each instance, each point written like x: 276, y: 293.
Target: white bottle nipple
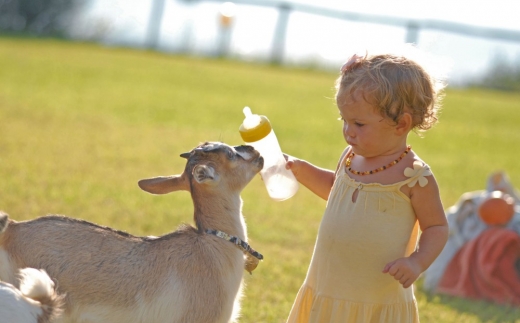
x: 247, y: 111
x: 251, y: 120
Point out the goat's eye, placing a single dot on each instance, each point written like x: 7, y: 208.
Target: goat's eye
x: 231, y: 155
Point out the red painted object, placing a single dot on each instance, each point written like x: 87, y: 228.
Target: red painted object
x: 485, y: 268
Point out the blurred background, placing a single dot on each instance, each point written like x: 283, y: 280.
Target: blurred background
x: 478, y: 41
x: 97, y: 94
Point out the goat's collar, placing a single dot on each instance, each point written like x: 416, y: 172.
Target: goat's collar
x: 242, y: 245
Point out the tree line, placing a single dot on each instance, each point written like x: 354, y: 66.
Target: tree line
x: 37, y: 17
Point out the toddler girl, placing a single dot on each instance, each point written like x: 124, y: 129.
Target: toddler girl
x: 368, y: 254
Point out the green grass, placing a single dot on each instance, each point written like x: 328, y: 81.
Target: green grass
x: 81, y: 124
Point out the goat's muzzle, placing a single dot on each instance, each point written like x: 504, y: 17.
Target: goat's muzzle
x: 260, y: 162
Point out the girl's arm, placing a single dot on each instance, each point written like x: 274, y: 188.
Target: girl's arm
x: 318, y: 180
x: 428, y: 208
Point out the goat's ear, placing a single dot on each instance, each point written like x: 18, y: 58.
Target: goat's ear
x: 164, y: 184
x: 204, y: 173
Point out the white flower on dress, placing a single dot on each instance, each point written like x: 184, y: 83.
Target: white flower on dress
x: 418, y: 168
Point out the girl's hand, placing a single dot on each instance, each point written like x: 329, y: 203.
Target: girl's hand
x: 292, y: 164
x: 405, y: 270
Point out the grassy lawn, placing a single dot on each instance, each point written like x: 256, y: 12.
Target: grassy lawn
x: 81, y: 124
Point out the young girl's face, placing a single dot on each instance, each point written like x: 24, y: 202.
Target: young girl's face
x: 365, y: 129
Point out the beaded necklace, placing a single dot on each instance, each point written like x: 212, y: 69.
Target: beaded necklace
x: 382, y: 168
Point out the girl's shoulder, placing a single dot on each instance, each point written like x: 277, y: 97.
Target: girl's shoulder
x: 415, y: 162
x: 417, y: 171
x: 419, y: 177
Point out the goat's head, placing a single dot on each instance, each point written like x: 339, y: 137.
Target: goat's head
x: 212, y: 164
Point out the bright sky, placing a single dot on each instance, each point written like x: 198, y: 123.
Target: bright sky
x: 496, y: 13
x: 194, y: 27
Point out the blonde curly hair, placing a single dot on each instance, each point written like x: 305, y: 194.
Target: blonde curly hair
x: 394, y: 85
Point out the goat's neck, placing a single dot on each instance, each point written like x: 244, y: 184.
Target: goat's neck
x: 213, y: 211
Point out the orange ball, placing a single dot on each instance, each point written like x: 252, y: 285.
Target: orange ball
x: 497, y: 209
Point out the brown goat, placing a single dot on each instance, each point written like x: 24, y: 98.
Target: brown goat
x: 190, y: 275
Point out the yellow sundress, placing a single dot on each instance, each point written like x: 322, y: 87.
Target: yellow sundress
x: 355, y: 241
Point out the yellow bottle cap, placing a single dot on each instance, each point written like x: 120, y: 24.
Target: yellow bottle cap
x: 254, y: 127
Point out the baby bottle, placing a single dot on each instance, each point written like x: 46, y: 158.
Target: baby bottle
x: 257, y: 132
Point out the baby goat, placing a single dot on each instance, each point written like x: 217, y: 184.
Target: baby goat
x: 191, y: 275
x: 35, y: 302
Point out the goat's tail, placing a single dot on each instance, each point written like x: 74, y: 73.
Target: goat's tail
x: 37, y: 285
x: 4, y: 221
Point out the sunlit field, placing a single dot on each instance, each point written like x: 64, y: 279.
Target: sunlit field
x: 82, y: 123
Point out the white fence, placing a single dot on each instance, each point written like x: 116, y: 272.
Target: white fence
x: 413, y: 27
